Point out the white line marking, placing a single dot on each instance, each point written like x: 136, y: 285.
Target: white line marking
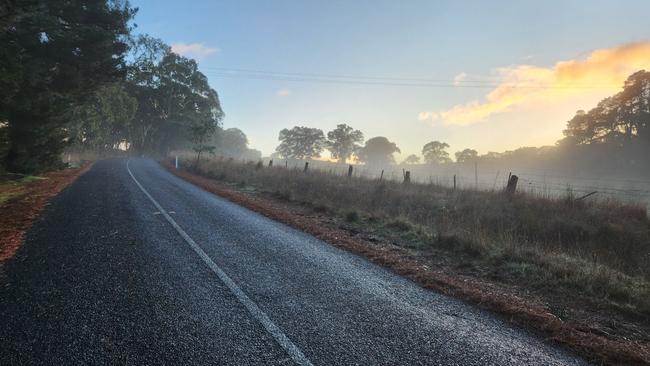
x: 294, y: 352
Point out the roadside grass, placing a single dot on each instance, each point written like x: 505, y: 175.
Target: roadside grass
x: 595, y: 250
x: 21, y: 200
x: 12, y: 186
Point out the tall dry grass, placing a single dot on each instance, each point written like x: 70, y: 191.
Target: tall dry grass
x: 599, y: 249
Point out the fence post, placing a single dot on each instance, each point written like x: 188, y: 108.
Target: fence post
x: 454, y: 182
x: 270, y: 163
x: 350, y: 171
x: 286, y: 164
x: 407, y: 177
x: 176, y: 164
x: 306, y: 166
x: 382, y: 175
x: 475, y: 174
x: 512, y: 184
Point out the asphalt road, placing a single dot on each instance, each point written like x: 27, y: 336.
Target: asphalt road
x: 135, y: 266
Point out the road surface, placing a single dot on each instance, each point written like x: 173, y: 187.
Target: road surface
x: 133, y: 265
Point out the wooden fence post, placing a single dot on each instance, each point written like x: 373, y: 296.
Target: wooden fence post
x: 511, y: 188
x: 306, y: 166
x: 382, y: 175
x: 407, y: 177
x: 270, y: 163
x: 454, y: 182
x: 350, y: 171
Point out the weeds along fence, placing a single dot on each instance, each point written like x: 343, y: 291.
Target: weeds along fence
x: 544, y: 184
x: 606, y: 231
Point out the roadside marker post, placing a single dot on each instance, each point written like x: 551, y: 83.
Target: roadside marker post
x: 176, y: 162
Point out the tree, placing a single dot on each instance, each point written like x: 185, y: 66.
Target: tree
x: 202, y: 129
x: 411, y: 159
x: 54, y: 54
x: 301, y: 143
x: 377, y: 151
x: 634, y: 107
x: 343, y: 141
x: 102, y: 123
x: 233, y: 143
x: 616, y: 120
x: 466, y: 156
x: 175, y: 101
x: 434, y: 152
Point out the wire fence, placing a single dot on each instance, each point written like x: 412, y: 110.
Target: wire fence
x: 540, y: 183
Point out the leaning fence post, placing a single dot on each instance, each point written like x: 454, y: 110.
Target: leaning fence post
x: 585, y: 196
x: 350, y: 171
x: 512, y: 184
x: 306, y: 166
x: 382, y: 175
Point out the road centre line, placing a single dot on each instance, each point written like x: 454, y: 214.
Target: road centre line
x: 292, y: 350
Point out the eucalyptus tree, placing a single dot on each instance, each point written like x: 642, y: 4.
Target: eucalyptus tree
x: 343, y: 141
x: 378, y: 151
x: 301, y: 143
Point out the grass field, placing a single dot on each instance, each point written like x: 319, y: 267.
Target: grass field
x: 598, y: 250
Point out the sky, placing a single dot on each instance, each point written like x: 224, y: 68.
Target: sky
x: 488, y: 75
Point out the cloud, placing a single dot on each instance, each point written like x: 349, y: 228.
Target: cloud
x: 458, y: 79
x: 424, y: 116
x: 194, y: 50
x: 600, y: 74
x: 283, y: 92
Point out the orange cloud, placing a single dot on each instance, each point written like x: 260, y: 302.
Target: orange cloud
x: 599, y: 74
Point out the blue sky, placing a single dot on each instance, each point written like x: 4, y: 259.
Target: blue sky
x: 489, y: 41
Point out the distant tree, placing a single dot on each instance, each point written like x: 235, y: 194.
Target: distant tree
x: 465, y: 156
x: 232, y: 142
x: 411, y: 159
x: 103, y: 121
x: 343, y: 141
x: 301, y: 143
x: 377, y: 151
x: 434, y: 152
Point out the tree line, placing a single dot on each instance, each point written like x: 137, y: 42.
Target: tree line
x: 345, y: 143
x: 72, y: 74
x: 617, y: 124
